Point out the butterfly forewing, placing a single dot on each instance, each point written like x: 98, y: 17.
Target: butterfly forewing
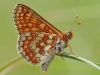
x: 27, y: 20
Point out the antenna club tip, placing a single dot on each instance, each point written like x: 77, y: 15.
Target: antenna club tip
x: 79, y: 23
x: 76, y: 16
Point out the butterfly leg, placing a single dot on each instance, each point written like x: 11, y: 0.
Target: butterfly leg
x: 71, y: 50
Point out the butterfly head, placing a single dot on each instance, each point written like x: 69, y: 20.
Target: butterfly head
x: 69, y: 35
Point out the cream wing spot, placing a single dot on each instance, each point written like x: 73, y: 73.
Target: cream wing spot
x: 19, y: 10
x: 42, y: 44
x: 23, y: 38
x: 33, y: 47
x: 38, y: 55
x: 38, y: 38
x: 50, y: 36
x: 53, y: 34
x: 27, y: 34
x: 20, y: 43
x: 47, y: 47
x: 49, y: 41
x: 33, y: 44
x: 29, y: 15
x: 37, y: 50
x: 35, y: 41
x: 41, y: 35
x: 58, y: 40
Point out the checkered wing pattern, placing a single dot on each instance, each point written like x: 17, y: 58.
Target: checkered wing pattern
x: 37, y: 38
x: 37, y: 47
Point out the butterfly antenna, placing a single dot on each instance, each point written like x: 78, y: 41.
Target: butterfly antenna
x: 69, y: 28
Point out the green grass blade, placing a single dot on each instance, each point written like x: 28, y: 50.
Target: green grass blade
x: 78, y: 58
x: 64, y: 54
x: 6, y: 65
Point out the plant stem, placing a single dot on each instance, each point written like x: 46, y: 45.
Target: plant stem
x: 4, y: 66
x: 78, y: 58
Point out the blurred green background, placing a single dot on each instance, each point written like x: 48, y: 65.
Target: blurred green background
x: 60, y: 13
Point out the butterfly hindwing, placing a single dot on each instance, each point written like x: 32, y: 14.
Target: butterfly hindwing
x: 37, y: 47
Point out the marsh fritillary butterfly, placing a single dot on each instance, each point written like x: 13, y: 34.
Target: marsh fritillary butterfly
x: 38, y: 41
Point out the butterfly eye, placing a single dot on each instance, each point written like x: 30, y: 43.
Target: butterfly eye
x: 69, y: 34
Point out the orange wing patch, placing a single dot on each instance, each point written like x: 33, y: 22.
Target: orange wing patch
x: 27, y: 20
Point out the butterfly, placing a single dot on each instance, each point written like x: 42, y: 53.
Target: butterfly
x: 38, y: 40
